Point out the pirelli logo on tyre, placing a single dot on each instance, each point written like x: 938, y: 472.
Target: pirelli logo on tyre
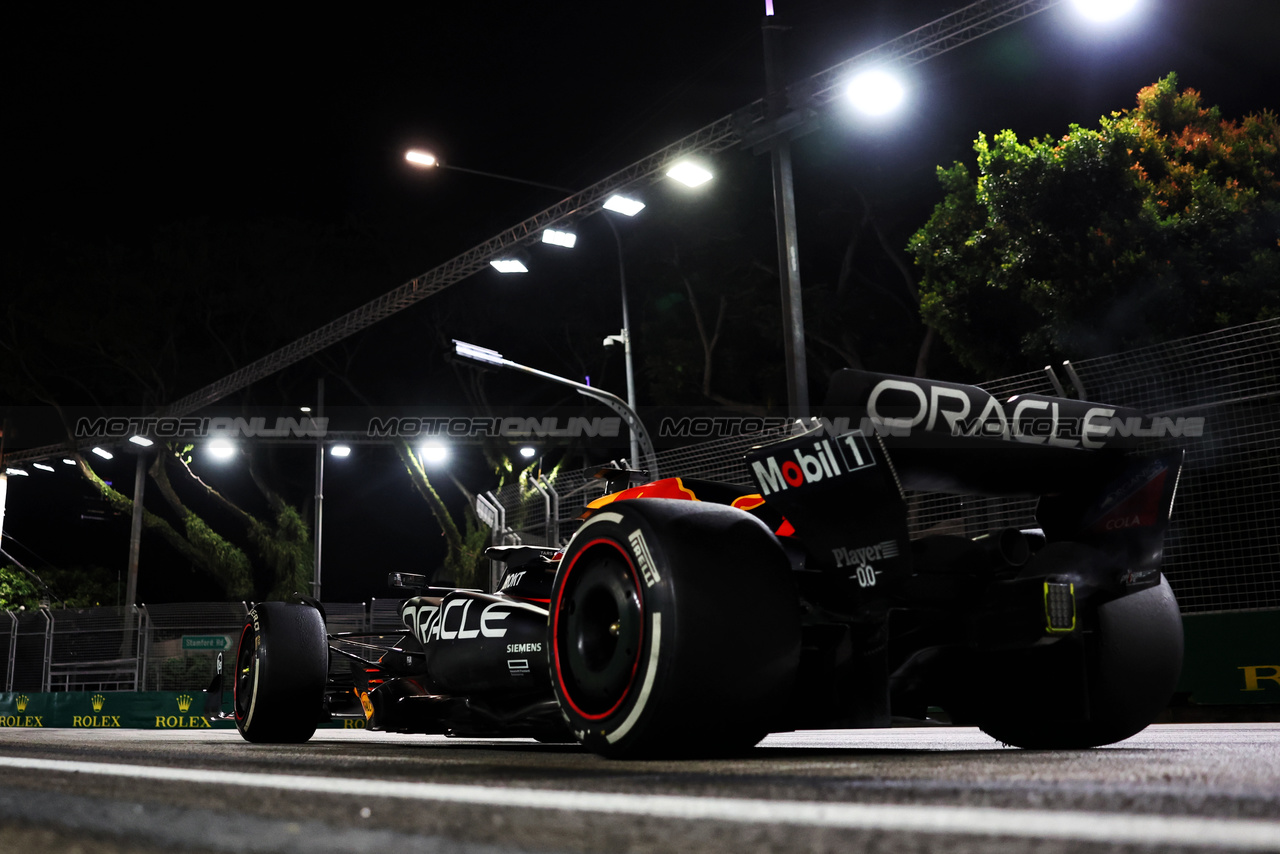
x: 644, y: 560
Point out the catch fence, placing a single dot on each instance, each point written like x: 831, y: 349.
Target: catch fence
x: 1222, y: 553
x: 1223, y: 548
x: 145, y: 648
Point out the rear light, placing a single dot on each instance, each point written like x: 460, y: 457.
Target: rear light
x: 1059, y: 606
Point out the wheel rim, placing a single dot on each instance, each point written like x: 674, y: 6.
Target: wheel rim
x: 243, y: 676
x: 599, y: 630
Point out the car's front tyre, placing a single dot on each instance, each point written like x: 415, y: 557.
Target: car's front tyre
x: 281, y: 669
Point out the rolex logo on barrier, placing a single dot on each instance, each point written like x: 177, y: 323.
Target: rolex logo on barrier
x: 20, y: 719
x: 96, y: 720
x: 182, y: 721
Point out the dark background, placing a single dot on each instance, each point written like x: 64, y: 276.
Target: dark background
x: 123, y: 121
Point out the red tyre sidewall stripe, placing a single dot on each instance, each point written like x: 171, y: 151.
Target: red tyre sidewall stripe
x: 235, y: 674
x: 555, y: 631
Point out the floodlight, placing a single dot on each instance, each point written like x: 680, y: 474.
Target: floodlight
x: 623, y: 205
x: 68, y: 461
x: 43, y: 466
x: 433, y: 453
x: 304, y: 408
x: 528, y: 452
x: 689, y: 173
x: 508, y: 265
x: 1104, y: 10
x: 17, y: 472
x: 341, y: 450
x: 421, y: 158
x: 876, y: 92
x: 221, y: 449
x: 559, y: 238
x: 105, y: 454
x: 141, y: 441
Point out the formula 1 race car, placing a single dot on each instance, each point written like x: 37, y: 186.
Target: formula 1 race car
x: 689, y: 617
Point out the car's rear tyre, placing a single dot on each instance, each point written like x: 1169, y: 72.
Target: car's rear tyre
x: 1128, y: 665
x: 281, y: 669
x: 674, y: 630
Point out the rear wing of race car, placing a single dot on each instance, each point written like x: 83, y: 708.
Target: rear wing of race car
x: 1097, y: 476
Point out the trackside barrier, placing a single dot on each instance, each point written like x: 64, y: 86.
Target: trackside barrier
x: 161, y: 710
x: 106, y: 710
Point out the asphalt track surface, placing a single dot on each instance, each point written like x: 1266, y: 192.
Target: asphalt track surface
x: 1172, y: 788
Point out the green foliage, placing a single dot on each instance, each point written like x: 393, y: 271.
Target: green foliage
x: 17, y: 590
x: 287, y: 551
x: 466, y: 565
x: 184, y: 673
x: 222, y: 559
x: 73, y: 587
x: 1161, y: 222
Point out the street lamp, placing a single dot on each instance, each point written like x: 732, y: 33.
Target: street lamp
x: 687, y: 172
x: 427, y: 160
x: 492, y: 357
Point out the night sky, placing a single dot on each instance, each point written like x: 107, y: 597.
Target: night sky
x: 125, y: 121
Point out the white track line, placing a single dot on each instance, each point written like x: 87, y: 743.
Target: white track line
x: 1113, y: 828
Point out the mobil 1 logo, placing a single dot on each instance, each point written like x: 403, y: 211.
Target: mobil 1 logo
x: 810, y: 461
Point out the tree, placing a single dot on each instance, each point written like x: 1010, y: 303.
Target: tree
x: 1160, y: 223
x: 76, y: 587
x: 123, y: 328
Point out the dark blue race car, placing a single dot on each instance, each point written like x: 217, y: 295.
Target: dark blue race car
x: 688, y: 617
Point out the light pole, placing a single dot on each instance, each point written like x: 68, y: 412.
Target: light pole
x: 875, y: 92
x: 315, y: 576
x: 626, y: 343
x: 784, y: 201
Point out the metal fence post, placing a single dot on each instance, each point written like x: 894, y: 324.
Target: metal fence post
x: 13, y: 650
x: 144, y: 642
x: 45, y: 678
x: 551, y: 507
x: 140, y: 670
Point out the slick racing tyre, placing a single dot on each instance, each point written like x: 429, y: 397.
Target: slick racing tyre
x: 1131, y: 658
x: 674, y: 630
x: 282, y: 667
